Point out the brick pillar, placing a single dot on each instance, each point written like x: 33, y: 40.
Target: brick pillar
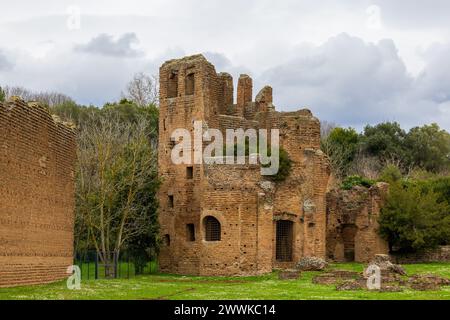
x: 244, y: 93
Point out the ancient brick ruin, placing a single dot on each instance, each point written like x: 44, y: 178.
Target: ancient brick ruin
x: 229, y: 219
x: 37, y: 155
x: 352, y: 223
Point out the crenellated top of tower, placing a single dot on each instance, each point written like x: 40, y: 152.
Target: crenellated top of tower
x: 190, y: 88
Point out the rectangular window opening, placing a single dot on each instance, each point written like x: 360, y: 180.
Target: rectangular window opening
x: 171, y: 202
x: 190, y: 232
x: 189, y: 172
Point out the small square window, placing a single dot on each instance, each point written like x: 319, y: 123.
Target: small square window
x: 189, y: 172
x: 171, y: 202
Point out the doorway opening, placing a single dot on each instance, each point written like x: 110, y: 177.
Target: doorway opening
x: 348, y: 237
x: 284, y: 239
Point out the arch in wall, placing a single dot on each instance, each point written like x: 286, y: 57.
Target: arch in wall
x: 212, y: 229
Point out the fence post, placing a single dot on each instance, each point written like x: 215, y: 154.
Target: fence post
x: 116, y: 259
x: 96, y: 265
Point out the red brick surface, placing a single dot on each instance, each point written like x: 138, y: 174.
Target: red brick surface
x: 246, y: 205
x: 37, y: 157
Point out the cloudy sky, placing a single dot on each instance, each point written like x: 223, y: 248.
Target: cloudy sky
x: 351, y: 62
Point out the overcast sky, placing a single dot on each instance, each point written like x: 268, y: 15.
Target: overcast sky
x: 351, y: 62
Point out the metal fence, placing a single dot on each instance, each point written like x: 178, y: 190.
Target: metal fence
x: 125, y: 265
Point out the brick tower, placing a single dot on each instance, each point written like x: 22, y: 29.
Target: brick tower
x: 228, y: 219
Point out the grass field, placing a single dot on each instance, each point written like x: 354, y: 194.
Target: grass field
x: 160, y: 286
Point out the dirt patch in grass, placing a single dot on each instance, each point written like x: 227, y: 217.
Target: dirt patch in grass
x: 203, y: 281
x: 167, y: 296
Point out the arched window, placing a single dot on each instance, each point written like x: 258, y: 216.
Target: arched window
x: 189, y: 84
x: 212, y: 229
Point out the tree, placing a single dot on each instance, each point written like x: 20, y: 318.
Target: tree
x: 430, y: 147
x: 73, y: 112
x: 391, y: 174
x: 49, y: 99
x: 325, y: 128
x: 142, y: 90
x: 128, y: 111
x: 414, y: 219
x: 386, y: 141
x: 116, y: 183
x: 2, y: 95
x: 340, y: 146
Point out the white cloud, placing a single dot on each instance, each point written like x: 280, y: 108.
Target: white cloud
x: 5, y: 63
x: 352, y: 82
x: 302, y: 48
x: 105, y: 44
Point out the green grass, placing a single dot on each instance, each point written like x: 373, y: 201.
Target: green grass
x: 161, y: 286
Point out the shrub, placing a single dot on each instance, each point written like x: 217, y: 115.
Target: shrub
x: 285, y: 165
x: 352, y: 181
x: 391, y: 174
x: 414, y: 218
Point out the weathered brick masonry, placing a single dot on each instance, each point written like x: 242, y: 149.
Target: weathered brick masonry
x: 262, y: 224
x: 352, y: 223
x: 37, y: 155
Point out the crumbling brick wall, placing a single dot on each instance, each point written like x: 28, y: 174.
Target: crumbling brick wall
x: 352, y: 224
x: 247, y: 205
x: 37, y: 155
x: 439, y: 254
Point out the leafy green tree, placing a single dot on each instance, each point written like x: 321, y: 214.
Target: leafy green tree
x: 413, y: 219
x: 440, y: 185
x: 387, y: 142
x: 128, y: 111
x: 73, y: 112
x: 341, y: 146
x: 430, y: 147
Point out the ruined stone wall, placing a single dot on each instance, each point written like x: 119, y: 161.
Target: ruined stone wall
x: 37, y: 158
x: 232, y: 195
x: 247, y: 205
x: 179, y: 195
x: 440, y: 254
x: 352, y: 224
